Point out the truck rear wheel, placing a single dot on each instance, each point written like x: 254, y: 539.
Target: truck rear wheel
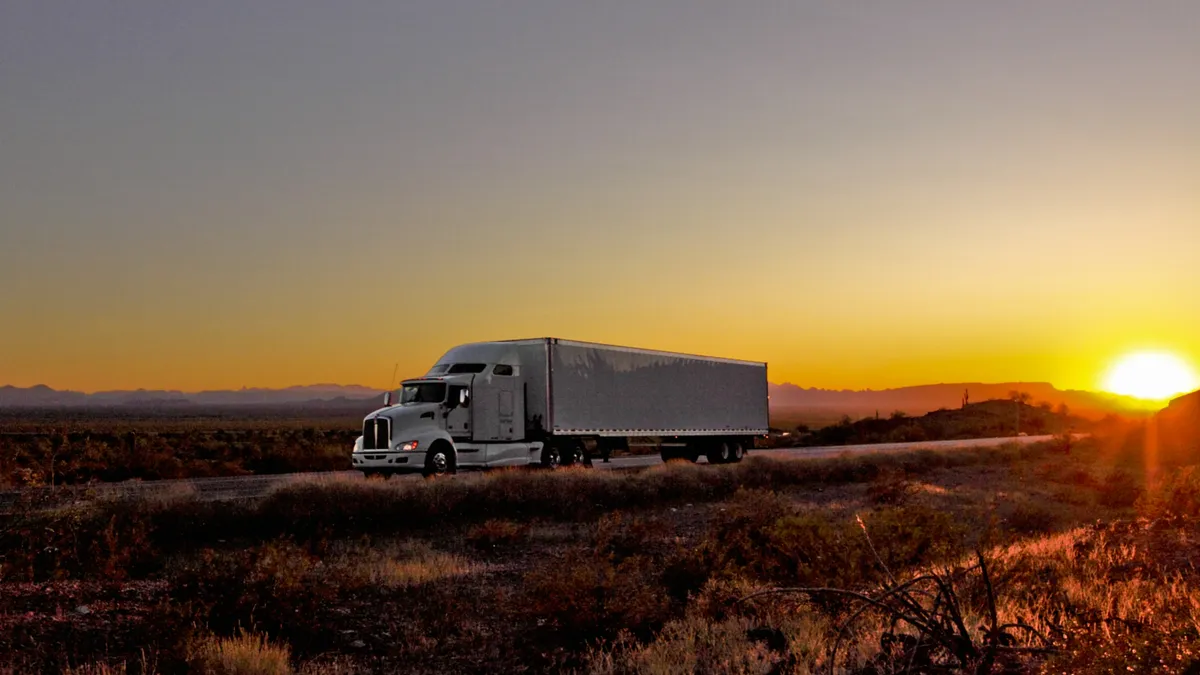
x: 720, y: 453
x: 551, y: 458
x: 739, y: 452
x: 573, y: 455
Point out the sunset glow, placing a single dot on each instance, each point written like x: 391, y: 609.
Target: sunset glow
x: 866, y: 196
x: 1152, y: 376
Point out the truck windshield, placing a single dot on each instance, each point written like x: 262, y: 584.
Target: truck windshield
x: 425, y: 392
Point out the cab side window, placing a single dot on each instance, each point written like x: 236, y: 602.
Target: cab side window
x: 502, y: 370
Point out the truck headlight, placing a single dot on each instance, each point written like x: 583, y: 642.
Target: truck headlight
x: 409, y: 446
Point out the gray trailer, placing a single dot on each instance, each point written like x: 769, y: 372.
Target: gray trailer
x: 553, y: 402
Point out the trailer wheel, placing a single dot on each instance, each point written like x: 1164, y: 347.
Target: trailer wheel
x: 551, y: 459
x: 719, y: 453
x: 669, y: 454
x: 739, y: 452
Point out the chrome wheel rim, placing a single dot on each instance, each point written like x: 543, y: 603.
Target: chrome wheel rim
x: 440, y: 462
x: 552, y: 459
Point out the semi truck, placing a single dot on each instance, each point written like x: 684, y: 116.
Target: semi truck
x: 551, y: 403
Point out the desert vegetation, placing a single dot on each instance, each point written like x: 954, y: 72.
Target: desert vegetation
x: 986, y: 419
x: 1021, y: 559
x: 84, y: 446
x: 72, y: 447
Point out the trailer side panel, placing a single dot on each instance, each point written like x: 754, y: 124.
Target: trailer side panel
x: 617, y: 391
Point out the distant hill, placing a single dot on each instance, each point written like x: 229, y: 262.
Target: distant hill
x: 823, y: 404
x: 928, y: 398
x: 987, y: 419
x: 44, y: 397
x: 1178, y: 427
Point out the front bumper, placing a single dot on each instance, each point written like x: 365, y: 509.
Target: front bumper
x: 386, y: 460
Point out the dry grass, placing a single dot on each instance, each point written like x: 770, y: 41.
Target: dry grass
x: 245, y: 654
x: 639, y: 573
x: 408, y: 566
x: 1119, y: 599
x: 140, y: 534
x: 337, y: 666
x: 764, y: 640
x: 96, y: 669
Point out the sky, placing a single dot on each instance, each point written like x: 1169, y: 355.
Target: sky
x: 863, y: 194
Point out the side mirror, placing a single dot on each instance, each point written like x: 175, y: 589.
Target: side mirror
x: 387, y: 399
x: 464, y: 397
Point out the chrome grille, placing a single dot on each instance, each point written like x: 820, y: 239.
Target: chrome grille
x: 377, y: 433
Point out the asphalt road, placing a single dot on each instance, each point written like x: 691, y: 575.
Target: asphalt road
x: 253, y: 487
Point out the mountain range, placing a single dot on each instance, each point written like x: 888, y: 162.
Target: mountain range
x: 41, y: 396
x: 912, y: 400
x: 923, y: 399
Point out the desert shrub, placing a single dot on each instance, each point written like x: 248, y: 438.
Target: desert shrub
x: 812, y: 548
x: 697, y: 645
x: 910, y: 536
x: 243, y: 654
x: 497, y: 533
x: 587, y: 596
x: 113, y: 542
x: 613, y: 584
x: 761, y: 536
x: 1176, y: 496
x: 163, y: 451
x: 908, y: 433
x: 1070, y: 495
x: 890, y: 487
x: 334, y: 666
x: 277, y: 588
x: 1029, y: 518
x: 1122, y: 650
x: 737, y: 536
x: 91, y: 669
x: 1120, y: 490
x: 622, y: 535
x: 400, y: 566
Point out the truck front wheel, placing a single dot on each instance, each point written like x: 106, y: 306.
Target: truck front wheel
x: 439, y: 461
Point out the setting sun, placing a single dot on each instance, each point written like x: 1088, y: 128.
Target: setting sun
x: 1151, y: 375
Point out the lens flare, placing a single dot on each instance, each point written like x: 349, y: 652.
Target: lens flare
x: 1154, y: 376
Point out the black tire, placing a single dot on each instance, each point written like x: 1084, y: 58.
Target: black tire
x: 573, y: 454
x: 720, y: 453
x: 739, y: 452
x: 439, y: 461
x: 669, y: 454
x: 551, y: 458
